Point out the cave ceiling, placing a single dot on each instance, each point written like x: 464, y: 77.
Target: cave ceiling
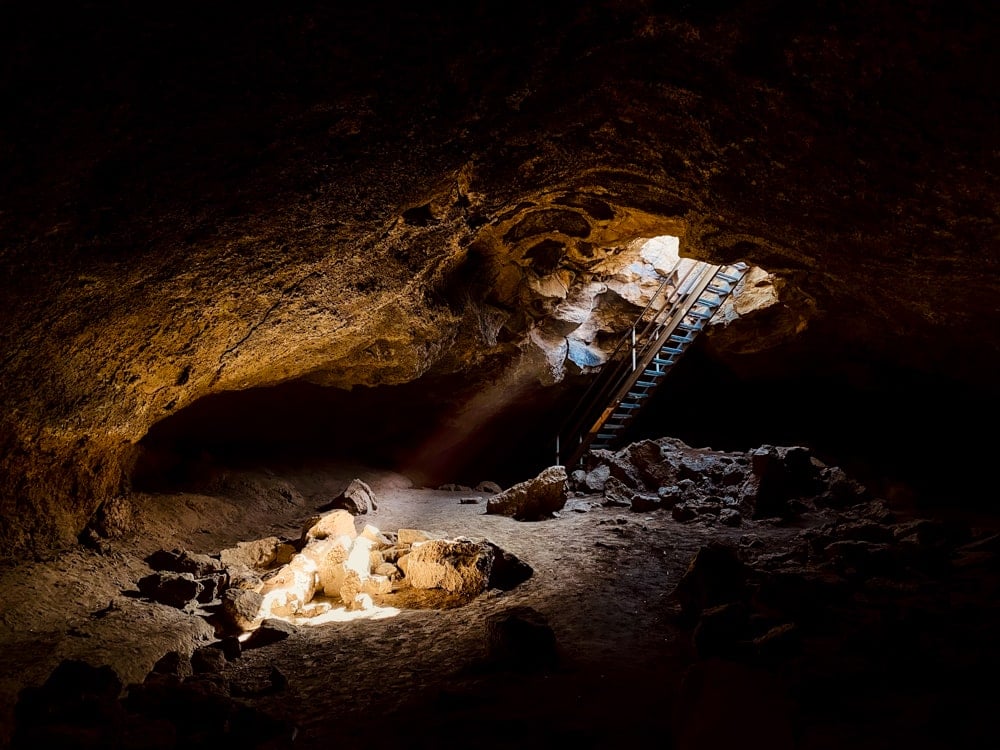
x: 199, y: 199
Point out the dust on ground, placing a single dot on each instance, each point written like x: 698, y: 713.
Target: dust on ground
x: 603, y: 578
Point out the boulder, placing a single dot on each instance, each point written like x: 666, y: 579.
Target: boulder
x: 462, y: 566
x: 336, y: 523
x: 357, y: 499
x: 259, y: 554
x: 533, y: 499
x: 241, y: 608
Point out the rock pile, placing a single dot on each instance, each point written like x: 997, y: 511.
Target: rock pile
x: 769, y: 482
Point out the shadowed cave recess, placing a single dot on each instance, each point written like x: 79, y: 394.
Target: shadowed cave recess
x: 254, y: 262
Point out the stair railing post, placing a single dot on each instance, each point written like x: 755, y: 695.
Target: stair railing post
x: 633, y: 348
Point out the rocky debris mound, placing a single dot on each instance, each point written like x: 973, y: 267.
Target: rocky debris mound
x: 257, y: 584
x: 534, y: 499
x: 769, y: 482
x: 184, y: 702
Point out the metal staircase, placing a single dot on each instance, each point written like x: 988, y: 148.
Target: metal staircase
x: 679, y: 310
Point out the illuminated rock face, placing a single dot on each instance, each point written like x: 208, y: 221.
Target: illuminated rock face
x: 253, y: 219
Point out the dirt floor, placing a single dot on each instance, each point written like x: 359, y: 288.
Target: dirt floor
x: 603, y: 579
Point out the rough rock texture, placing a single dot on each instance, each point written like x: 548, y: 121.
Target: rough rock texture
x: 222, y: 200
x: 533, y: 499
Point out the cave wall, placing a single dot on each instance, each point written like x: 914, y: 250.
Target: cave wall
x: 198, y: 200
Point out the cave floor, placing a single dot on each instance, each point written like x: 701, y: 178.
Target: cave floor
x: 602, y: 578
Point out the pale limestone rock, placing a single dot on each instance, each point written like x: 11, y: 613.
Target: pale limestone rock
x: 410, y: 536
x: 662, y: 253
x: 361, y: 603
x: 259, y: 554
x: 356, y: 570
x: 335, y: 523
x: 380, y: 540
x: 460, y: 566
x: 552, y: 350
x: 293, y: 587
x: 377, y: 584
x: 388, y: 570
x: 330, y: 555
x: 553, y: 285
x: 579, y: 304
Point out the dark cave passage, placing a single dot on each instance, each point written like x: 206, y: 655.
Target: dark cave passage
x: 424, y: 429
x: 419, y: 429
x: 874, y: 422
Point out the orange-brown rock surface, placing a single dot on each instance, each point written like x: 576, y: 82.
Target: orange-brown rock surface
x: 212, y: 200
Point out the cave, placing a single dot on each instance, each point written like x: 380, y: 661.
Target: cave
x: 264, y: 269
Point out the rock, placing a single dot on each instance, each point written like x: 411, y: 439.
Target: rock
x: 452, y: 487
x: 336, y: 523
x: 596, y: 477
x: 508, y: 570
x: 579, y: 506
x: 270, y: 631
x: 715, y: 576
x: 291, y: 587
x: 259, y: 554
x: 459, y: 567
x: 643, y: 502
x: 182, y: 561
x: 208, y: 659
x: 730, y: 517
x: 412, y: 536
x: 779, y: 476
x: 617, y: 493
x: 469, y: 500
x: 683, y: 512
x: 241, y: 608
x: 173, y: 589
x: 521, y: 639
x: 77, y: 707
x: 489, y: 487
x: 357, y: 499
x: 533, y: 499
x: 173, y: 662
x: 230, y: 646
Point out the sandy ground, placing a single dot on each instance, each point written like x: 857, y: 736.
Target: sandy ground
x: 603, y: 579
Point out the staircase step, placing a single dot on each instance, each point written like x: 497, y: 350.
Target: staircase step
x: 609, y: 426
x: 719, y: 288
x: 634, y: 395
x: 671, y: 349
x: 727, y: 277
x: 666, y: 362
x: 645, y: 384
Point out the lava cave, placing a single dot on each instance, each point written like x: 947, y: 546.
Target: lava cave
x: 298, y: 297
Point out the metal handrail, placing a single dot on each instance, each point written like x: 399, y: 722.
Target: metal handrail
x: 611, y: 378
